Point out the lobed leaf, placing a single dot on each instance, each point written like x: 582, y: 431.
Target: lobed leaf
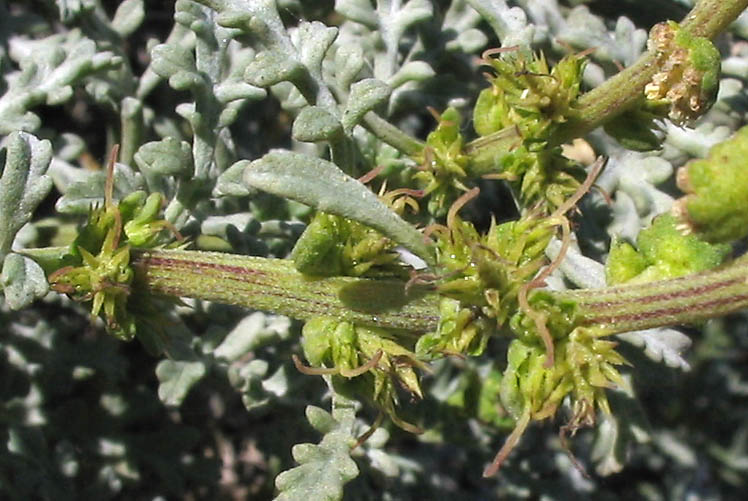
x: 323, y: 468
x: 23, y: 185
x: 176, y: 378
x: 661, y: 345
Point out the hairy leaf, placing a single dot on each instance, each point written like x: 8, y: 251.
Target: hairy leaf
x: 323, y: 468
x: 22, y: 280
x: 322, y: 185
x: 23, y: 184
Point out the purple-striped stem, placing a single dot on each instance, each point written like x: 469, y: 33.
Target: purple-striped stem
x: 274, y: 285
x: 685, y: 300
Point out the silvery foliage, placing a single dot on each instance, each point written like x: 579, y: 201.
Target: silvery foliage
x: 74, y: 398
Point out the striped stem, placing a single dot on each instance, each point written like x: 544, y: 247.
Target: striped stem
x: 274, y: 285
x: 685, y: 300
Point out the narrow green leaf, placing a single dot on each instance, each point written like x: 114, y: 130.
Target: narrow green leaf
x: 322, y: 185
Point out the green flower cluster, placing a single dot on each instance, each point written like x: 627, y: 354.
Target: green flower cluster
x: 662, y: 252
x: 364, y: 362
x: 333, y: 245
x: 100, y: 268
x: 442, y: 164
x: 716, y: 201
x: 533, y: 99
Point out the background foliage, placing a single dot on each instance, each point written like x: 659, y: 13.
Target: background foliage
x: 190, y: 90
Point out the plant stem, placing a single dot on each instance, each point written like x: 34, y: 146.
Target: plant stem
x: 709, y: 18
x: 391, y: 135
x: 619, y: 93
x: 685, y: 300
x: 274, y: 285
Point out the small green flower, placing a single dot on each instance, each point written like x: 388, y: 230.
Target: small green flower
x: 443, y: 164
x: 103, y: 278
x: 332, y: 245
x: 363, y: 361
x: 101, y: 272
x: 528, y: 94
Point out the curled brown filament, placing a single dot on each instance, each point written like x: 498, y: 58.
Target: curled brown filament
x: 349, y: 373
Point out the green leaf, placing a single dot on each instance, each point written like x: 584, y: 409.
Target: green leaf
x: 23, y: 185
x: 365, y: 96
x: 23, y: 281
x: 128, y: 17
x: 324, y: 468
x: 176, y: 378
x: 168, y: 157
x: 83, y: 195
x: 322, y: 185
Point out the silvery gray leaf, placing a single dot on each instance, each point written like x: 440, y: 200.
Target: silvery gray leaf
x: 24, y: 183
x: 22, y: 281
x: 661, y: 345
x: 322, y: 185
x: 365, y: 95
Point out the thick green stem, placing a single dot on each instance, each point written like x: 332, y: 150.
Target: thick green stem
x: 274, y: 285
x: 617, y: 94
x: 709, y: 18
x: 686, y: 300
